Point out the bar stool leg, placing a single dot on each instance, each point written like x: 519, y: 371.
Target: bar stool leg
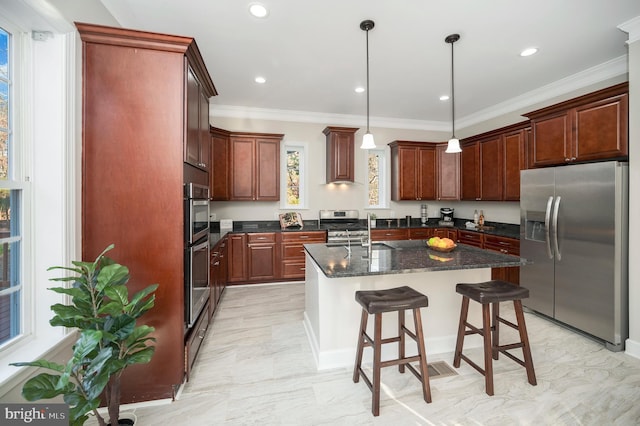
x: 424, y: 369
x: 377, y: 359
x: 360, y: 349
x: 524, y: 338
x: 402, y: 341
x: 461, y: 331
x: 495, y: 329
x: 488, y: 356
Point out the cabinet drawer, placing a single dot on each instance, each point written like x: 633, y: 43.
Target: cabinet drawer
x: 389, y: 234
x: 316, y: 236
x: 293, y: 269
x: 502, y: 244
x: 258, y: 238
x: 195, y: 339
x: 292, y: 251
x: 470, y: 238
x: 420, y: 233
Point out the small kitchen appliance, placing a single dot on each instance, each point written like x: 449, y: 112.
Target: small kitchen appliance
x: 446, y: 216
x: 424, y: 215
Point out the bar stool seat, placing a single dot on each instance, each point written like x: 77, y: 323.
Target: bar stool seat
x: 490, y: 294
x: 377, y: 302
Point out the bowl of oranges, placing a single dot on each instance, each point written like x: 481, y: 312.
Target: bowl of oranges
x: 444, y: 245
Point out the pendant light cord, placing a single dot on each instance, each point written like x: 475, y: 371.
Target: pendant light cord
x: 367, y: 80
x: 453, y: 98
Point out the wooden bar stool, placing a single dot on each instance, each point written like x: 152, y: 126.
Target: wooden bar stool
x: 490, y: 294
x: 377, y: 302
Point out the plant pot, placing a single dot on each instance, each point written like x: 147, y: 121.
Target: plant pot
x: 126, y: 419
x: 373, y: 223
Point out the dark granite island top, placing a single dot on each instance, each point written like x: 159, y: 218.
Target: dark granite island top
x: 403, y: 257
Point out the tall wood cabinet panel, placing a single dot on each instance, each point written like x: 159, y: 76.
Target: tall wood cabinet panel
x: 413, y: 170
x: 491, y: 168
x: 236, y: 258
x: 448, y: 174
x: 470, y: 171
x: 219, y: 172
x: 198, y: 144
x: 133, y: 136
x: 587, y: 128
x: 254, y: 167
x: 514, y: 160
x: 340, y: 153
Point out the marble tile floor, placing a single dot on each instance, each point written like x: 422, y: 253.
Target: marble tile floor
x: 256, y: 368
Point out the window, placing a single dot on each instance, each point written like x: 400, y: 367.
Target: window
x: 376, y: 178
x: 10, y: 202
x: 293, y: 177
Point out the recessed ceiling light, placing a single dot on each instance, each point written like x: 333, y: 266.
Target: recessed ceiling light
x: 444, y: 97
x: 260, y: 80
x: 359, y: 89
x: 258, y: 10
x: 529, y: 51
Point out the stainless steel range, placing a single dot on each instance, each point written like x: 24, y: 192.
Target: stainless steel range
x: 342, y: 226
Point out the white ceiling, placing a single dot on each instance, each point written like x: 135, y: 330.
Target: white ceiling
x: 312, y: 53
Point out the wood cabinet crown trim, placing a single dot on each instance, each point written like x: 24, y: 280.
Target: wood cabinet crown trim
x: 609, y: 92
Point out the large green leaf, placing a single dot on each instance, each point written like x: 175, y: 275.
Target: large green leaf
x: 112, y: 308
x: 112, y: 275
x: 140, y: 308
x: 119, y: 293
x: 143, y: 293
x: 43, y: 386
x: 139, y: 333
x: 67, y: 311
x: 41, y: 363
x: 79, y: 406
x: 71, y: 291
x: 88, y: 341
x: 143, y: 356
x: 121, y: 326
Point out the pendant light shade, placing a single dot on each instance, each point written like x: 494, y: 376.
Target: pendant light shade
x: 454, y: 144
x: 367, y: 139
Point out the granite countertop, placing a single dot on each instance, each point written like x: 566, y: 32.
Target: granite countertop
x: 403, y: 257
x: 493, y: 228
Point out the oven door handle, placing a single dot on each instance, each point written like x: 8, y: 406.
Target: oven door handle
x: 200, y: 202
x: 202, y: 245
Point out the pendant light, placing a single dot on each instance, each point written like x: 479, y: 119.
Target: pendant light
x: 454, y: 144
x: 367, y: 139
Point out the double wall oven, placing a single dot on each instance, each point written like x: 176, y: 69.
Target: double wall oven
x: 196, y: 258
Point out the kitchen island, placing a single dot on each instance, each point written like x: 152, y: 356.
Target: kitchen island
x: 334, y: 273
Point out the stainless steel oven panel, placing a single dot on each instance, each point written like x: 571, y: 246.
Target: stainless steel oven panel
x: 197, y: 280
x: 196, y: 212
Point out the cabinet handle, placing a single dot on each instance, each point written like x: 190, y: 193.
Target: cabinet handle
x: 503, y: 243
x: 573, y: 158
x: 216, y: 264
x: 566, y: 160
x: 303, y: 237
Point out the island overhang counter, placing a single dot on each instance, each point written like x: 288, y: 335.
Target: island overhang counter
x: 335, y: 272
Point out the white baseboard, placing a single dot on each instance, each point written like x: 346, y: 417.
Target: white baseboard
x: 632, y: 348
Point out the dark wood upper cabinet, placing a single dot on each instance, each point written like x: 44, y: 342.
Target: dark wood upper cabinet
x: 136, y: 123
x: 413, y: 170
x: 491, y: 163
x: 448, y: 174
x: 219, y: 174
x: 340, y: 153
x: 198, y: 141
x: 587, y: 128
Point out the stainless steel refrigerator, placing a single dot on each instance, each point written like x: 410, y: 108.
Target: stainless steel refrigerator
x: 574, y: 230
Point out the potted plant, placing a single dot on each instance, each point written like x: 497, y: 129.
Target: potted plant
x: 372, y: 219
x: 108, y: 341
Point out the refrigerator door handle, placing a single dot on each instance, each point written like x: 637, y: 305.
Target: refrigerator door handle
x: 554, y: 230
x: 547, y: 222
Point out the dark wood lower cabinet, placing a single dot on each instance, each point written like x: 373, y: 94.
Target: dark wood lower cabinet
x: 195, y: 338
x: 262, y: 257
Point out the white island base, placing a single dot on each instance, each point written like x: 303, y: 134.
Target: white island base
x: 332, y: 315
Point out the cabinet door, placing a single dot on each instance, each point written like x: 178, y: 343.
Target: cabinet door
x: 551, y: 143
x: 452, y: 234
x: 601, y: 129
x: 514, y: 161
x: 242, y: 169
x: 404, y: 187
x: 491, y: 168
x: 420, y: 233
x: 236, y: 258
x: 470, y: 176
x: 470, y: 238
x: 448, y: 174
x: 261, y: 256
x: 192, y: 144
x: 340, y: 153
x: 267, y: 170
x: 204, y: 156
x: 219, y: 174
x: 426, y: 173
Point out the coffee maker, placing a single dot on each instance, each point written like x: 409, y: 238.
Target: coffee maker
x: 446, y: 216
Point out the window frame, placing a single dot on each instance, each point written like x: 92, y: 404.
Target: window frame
x: 383, y: 199
x: 304, y: 193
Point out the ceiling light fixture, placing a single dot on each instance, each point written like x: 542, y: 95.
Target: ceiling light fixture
x: 367, y: 139
x: 258, y: 10
x: 454, y: 144
x: 529, y: 51
x: 260, y: 80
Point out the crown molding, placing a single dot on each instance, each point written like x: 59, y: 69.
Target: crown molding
x: 631, y: 27
x: 588, y: 77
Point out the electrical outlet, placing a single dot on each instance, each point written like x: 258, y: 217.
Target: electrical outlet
x: 212, y: 216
